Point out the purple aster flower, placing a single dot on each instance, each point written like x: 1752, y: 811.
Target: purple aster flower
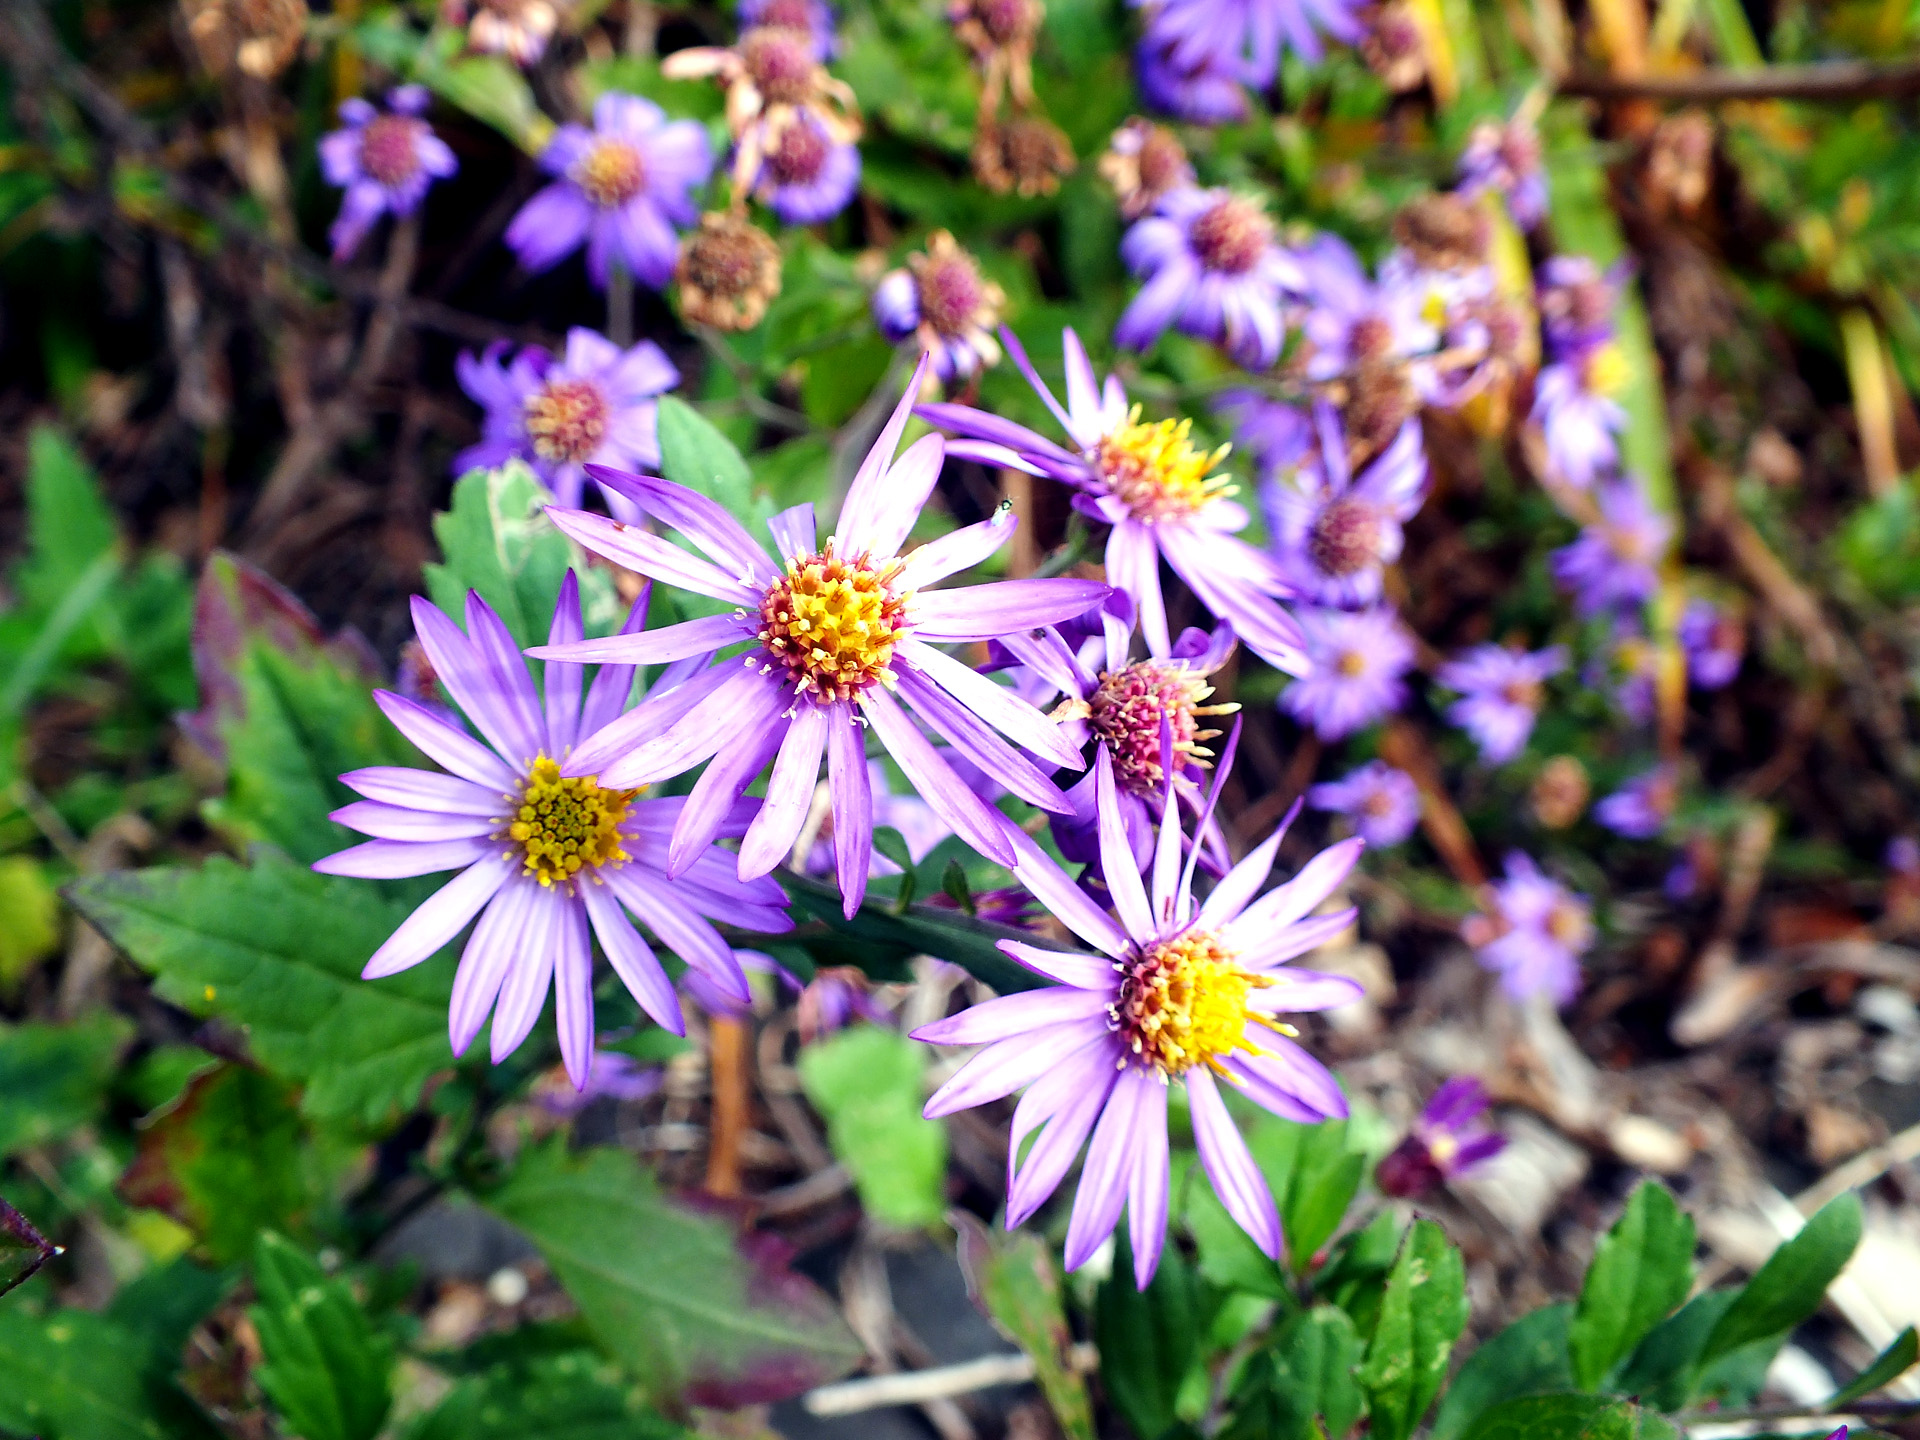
x: 548, y: 857
x: 1639, y: 809
x: 1500, y: 694
x: 1212, y: 270
x: 1506, y: 159
x: 1357, y: 658
x: 621, y: 187
x: 1447, y: 1140
x: 1714, y: 643
x: 1246, y: 35
x: 1154, y: 487
x: 836, y: 632
x: 805, y: 174
x: 612, y: 1076
x: 1176, y: 996
x: 1352, y: 321
x: 385, y: 163
x: 1574, y: 407
x: 1616, y: 561
x: 1277, y: 436
x: 1333, y: 533
x: 1209, y: 94
x: 1382, y: 802
x: 593, y: 405
x: 941, y: 301
x: 813, y: 16
x: 1578, y: 302
x: 1535, y: 935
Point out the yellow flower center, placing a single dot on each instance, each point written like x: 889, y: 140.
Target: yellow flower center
x: 566, y: 823
x: 1126, y: 709
x: 833, y: 623
x: 1570, y: 924
x: 1351, y: 664
x: 611, y: 173
x: 1608, y: 370
x: 566, y: 419
x: 1184, y: 1003
x: 1155, y: 470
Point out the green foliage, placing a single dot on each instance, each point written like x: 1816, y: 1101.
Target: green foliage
x: 1529, y: 1357
x: 92, y: 1379
x: 1789, y: 1287
x: 869, y: 1084
x: 277, y: 950
x: 1641, y: 1271
x: 23, y: 1249
x: 1013, y: 1278
x: 1889, y: 1365
x: 322, y: 1366
x: 29, y: 918
x: 695, y: 454
x: 1422, y: 1314
x: 673, y: 1294
x: 1879, y: 544
x: 497, y: 541
x: 575, y: 1395
x: 1148, y: 1339
x: 1302, y: 1386
x: 1570, y: 1417
x: 54, y: 1078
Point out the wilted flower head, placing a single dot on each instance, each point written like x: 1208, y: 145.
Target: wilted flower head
x: 1025, y: 155
x: 943, y: 303
x: 728, y: 273
x: 1444, y: 232
x: 1179, y: 995
x: 1559, y: 792
x: 1334, y: 532
x: 518, y: 29
x: 1680, y: 161
x: 768, y: 73
x: 1144, y: 162
x: 1501, y: 691
x: 620, y: 189
x: 595, y: 404
x: 1001, y: 34
x: 835, y: 631
x: 385, y: 161
x: 257, y: 37
x: 815, y: 17
x: 1534, y: 933
x: 1382, y: 802
x: 1714, y: 642
x: 1155, y: 488
x: 1358, y: 658
x: 1447, y: 1140
x: 1615, y: 562
x: 1579, y: 302
x: 1505, y: 158
x: 1395, y: 46
x: 1639, y: 809
x: 1213, y: 270
x: 549, y: 857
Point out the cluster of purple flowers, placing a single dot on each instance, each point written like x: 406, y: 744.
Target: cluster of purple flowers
x: 1196, y: 57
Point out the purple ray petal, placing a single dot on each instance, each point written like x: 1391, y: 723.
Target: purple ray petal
x: 1103, y: 1179
x: 968, y: 734
x: 1296, y: 992
x: 1066, y: 901
x: 986, y: 612
x: 1286, y: 1072
x: 796, y: 770
x: 993, y: 703
x: 1117, y: 865
x: 392, y: 822
x: 722, y: 783
x: 1087, y: 1079
x: 1240, y: 884
x: 613, y: 684
x: 497, y: 940
x: 403, y: 859
x: 1148, y: 1183
x: 440, y: 918
x: 794, y: 532
x: 1007, y: 1015
x: 524, y: 994
x: 563, y: 683
x: 960, y: 550
x: 909, y: 481
x: 971, y: 818
x: 1167, y: 891
x: 744, y: 699
x: 633, y: 959
x: 1230, y: 1166
x: 1317, y: 879
x: 1004, y: 1067
x: 850, y: 788
x: 982, y: 425
x: 425, y: 790
x: 1268, y: 948
x: 651, y: 556
x: 707, y: 524
x: 573, y: 996
x: 507, y: 669
x: 1047, y: 655
x: 475, y: 686
x: 865, y: 502
x: 1069, y: 967
x: 681, y: 930
x: 648, y: 721
x: 654, y: 647
x: 1133, y: 565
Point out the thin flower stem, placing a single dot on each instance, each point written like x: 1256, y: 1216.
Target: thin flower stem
x: 620, y: 304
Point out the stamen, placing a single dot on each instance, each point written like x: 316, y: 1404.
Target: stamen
x: 1184, y: 1002
x: 833, y: 623
x: 566, y: 823
x: 1155, y: 470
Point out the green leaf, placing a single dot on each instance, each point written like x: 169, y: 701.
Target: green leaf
x: 1322, y: 1177
x: 164, y: 1303
x: 1889, y: 1365
x: 1228, y: 1256
x: 1790, y: 1286
x: 53, y: 1078
x: 497, y: 540
x: 1642, y: 1270
x: 494, y: 92
x: 867, y: 1082
x: 69, y: 527
x: 1422, y: 1314
x: 92, y: 1380
x: 1355, y: 1277
x: 277, y: 950
x: 29, y: 919
x: 1302, y: 1386
x: 322, y: 1366
x: 1529, y: 1357
x: 577, y: 1395
x: 1570, y: 1417
x: 1147, y: 1338
x: 1013, y: 1278
x: 226, y: 1161
x: 669, y: 1292
x: 695, y: 454
x: 23, y: 1249
x: 1662, y: 1370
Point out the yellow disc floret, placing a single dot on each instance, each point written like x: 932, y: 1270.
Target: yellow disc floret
x: 833, y: 622
x: 1608, y: 370
x: 1156, y: 471
x: 566, y: 823
x: 1184, y: 1002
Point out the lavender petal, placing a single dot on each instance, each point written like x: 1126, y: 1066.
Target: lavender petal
x: 1230, y: 1165
x: 796, y: 770
x: 403, y: 859
x: 986, y: 612
x: 972, y: 820
x: 633, y: 959
x: 440, y: 918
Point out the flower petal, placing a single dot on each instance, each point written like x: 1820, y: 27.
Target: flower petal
x: 1067, y: 1101
x: 523, y: 994
x: 633, y: 959
x: 440, y: 918
x: 1007, y: 1065
x: 573, y: 996
x: 866, y: 502
x: 720, y: 785
x: 1148, y: 1183
x: 986, y: 612
x: 1237, y: 1180
x: 707, y: 524
x: 1318, y: 878
x: 654, y: 647
x: 1069, y: 967
x: 1066, y: 901
x: 970, y: 736
x: 958, y: 550
x: 648, y: 721
x: 1008, y: 1015
x: 794, y: 532
x: 1103, y: 1179
x: 743, y: 700
x: 993, y: 703
x: 850, y: 788
x: 650, y: 555
x: 393, y: 822
x: 424, y: 790
x: 971, y: 818
x: 1117, y: 865
x: 497, y: 940
x: 796, y: 770
x: 403, y: 859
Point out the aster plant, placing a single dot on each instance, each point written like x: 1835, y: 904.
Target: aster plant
x: 549, y: 857
x: 1210, y: 267
x: 385, y: 161
x: 836, y: 630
